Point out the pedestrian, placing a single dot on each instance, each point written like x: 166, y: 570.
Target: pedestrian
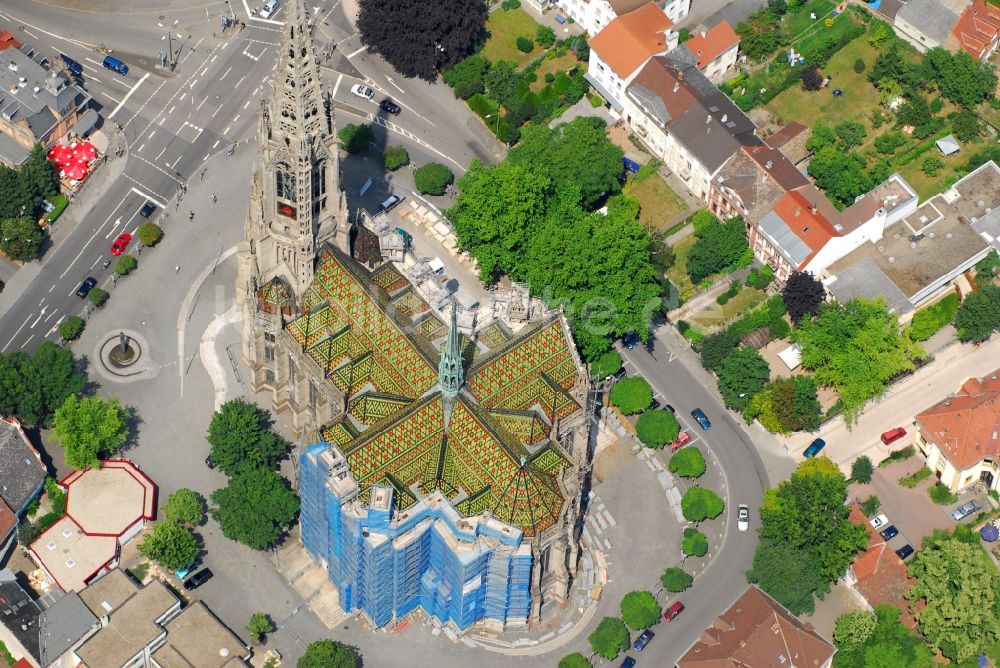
x: 190, y: 215
x: 214, y: 199
x: 177, y: 269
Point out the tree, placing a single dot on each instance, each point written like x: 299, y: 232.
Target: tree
x: 857, y: 348
x: 695, y: 544
x: 150, y: 234
x: 980, y: 158
x: 255, y: 508
x: 578, y: 152
x: 721, y: 246
x: 32, y: 387
x: 38, y: 177
x: 853, y: 629
x: 716, y: 347
x: 185, y: 506
x: 822, y: 135
x: 581, y: 49
x: 524, y: 44
x: 861, y: 470
x: 170, y: 545
x: 466, y: 77
x: 965, y: 124
x: 545, y: 36
x: 126, y: 264
x: 760, y: 34
x: 355, y: 138
x: 606, y: 365
x: 574, y: 660
x: 258, y: 626
x: 609, y: 638
x: 656, y: 428
x: 241, y: 438
x: 812, y: 78
x: 90, y: 428
x: 676, y: 579
x: 888, y: 644
x: 841, y: 174
x: 959, y: 586
x: 432, y: 178
x: 395, y: 157
x: 329, y: 654
x: 418, y: 39
x: 787, y: 573
x: 20, y: 238
x: 98, y: 296
x: 699, y: 503
x: 688, y: 463
x: 932, y: 165
x: 851, y: 133
x: 71, y: 328
x: 979, y: 315
x: 803, y: 295
x: 859, y: 65
x: 640, y: 610
x: 961, y: 78
x: 889, y: 142
x: 742, y: 374
x: 631, y: 395
x: 786, y: 405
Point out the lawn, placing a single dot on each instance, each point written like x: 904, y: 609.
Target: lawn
x: 678, y: 273
x: 658, y: 203
x: 799, y: 21
x: 504, y: 27
x: 926, y: 186
x: 714, y: 315
x: 561, y: 64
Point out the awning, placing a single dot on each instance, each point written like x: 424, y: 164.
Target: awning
x: 86, y: 122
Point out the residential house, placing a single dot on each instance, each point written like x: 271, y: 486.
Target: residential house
x: 878, y: 574
x: 960, y: 435
x: 22, y: 475
x: 38, y: 104
x: 595, y: 15
x: 685, y: 120
x: 19, y: 614
x: 60, y: 627
x: 791, y: 141
x: 928, y: 23
x: 716, y: 50
x: 978, y: 29
x: 619, y: 50
x: 926, y: 249
x: 752, y: 181
x: 756, y: 630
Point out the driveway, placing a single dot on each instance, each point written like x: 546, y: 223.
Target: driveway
x: 911, y: 510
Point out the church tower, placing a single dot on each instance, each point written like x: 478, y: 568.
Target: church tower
x: 296, y: 204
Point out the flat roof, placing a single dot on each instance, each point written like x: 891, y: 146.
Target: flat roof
x: 62, y: 625
x: 70, y: 556
x: 131, y: 628
x: 196, y: 637
x: 108, y: 500
x: 109, y: 593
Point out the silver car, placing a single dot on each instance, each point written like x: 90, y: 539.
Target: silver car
x: 743, y: 517
x: 964, y: 511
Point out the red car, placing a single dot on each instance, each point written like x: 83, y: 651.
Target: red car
x: 893, y: 435
x: 682, y: 439
x: 670, y: 613
x: 118, y: 247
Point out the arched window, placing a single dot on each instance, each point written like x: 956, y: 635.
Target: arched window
x: 284, y: 181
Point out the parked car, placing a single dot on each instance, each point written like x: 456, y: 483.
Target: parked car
x: 390, y: 202
x: 670, y: 408
x: 630, y: 165
x: 743, y: 517
x: 628, y: 662
x: 147, y: 209
x: 85, y: 287
x: 889, y: 532
x: 656, y: 404
x: 123, y: 240
x: 198, y: 579
x: 879, y: 520
x: 389, y: 106
x: 701, y: 418
x: 643, y: 640
x: 965, y: 510
x: 893, y: 435
x: 904, y: 551
x: 682, y: 439
x: 618, y: 375
x: 671, y: 613
x: 814, y: 448
x: 183, y: 571
x: 362, y: 91
x: 209, y: 462
x: 631, y: 340
x: 269, y: 8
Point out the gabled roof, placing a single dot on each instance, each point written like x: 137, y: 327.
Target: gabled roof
x: 966, y: 426
x: 798, y: 226
x: 977, y: 27
x: 21, y: 468
x: 759, y: 175
x: 712, y: 43
x: 631, y: 39
x: 881, y: 575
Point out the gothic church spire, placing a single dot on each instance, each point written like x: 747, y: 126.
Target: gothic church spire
x: 450, y: 372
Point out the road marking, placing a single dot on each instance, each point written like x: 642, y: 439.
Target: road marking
x: 240, y: 81
x: 216, y: 143
x: 152, y: 199
x: 37, y: 319
x: 204, y: 70
x: 96, y: 232
x: 359, y: 50
x: 108, y: 96
x: 26, y: 341
x: 140, y: 148
x: 224, y: 74
x: 52, y: 288
x: 31, y: 33
x: 129, y: 94
x: 171, y: 110
x: 5, y: 17
x: 389, y: 79
x: 181, y: 98
x: 227, y: 129
x: 191, y: 85
x: 247, y: 104
x: 203, y: 101
x: 235, y: 118
x: 176, y: 161
x: 17, y: 332
x: 162, y: 197
x: 340, y: 77
x: 162, y: 151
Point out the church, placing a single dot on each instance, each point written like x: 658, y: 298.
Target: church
x: 449, y: 449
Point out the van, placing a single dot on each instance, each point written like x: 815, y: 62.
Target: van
x: 75, y: 68
x: 115, y: 65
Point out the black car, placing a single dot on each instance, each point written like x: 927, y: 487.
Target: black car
x: 904, y: 551
x: 147, y: 209
x: 198, y: 579
x: 628, y: 662
x: 655, y: 404
x: 85, y: 287
x: 619, y: 375
x: 389, y: 106
x: 670, y: 408
x: 209, y: 462
x: 631, y: 340
x: 889, y: 532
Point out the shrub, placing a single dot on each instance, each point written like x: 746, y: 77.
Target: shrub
x: 676, y: 579
x: 395, y: 157
x: 97, y: 297
x: 699, y: 503
x: 779, y: 328
x: 915, y: 478
x: 355, y: 138
x: 581, y: 49
x: 606, y: 365
x: 861, y: 470
x: 888, y: 143
x: 59, y: 204
x: 859, y: 65
x: 936, y: 105
x: 632, y: 395
x: 898, y: 456
x: 695, y: 544
x: 870, y: 505
x: 941, y: 495
x: 596, y: 101
x: 932, y: 165
x: 150, y: 234
x: 812, y: 78
x: 656, y: 428
x: 524, y: 44
x: 545, y: 36
x: 688, y: 462
x: 549, y: 77
x: 258, y: 626
x: 433, y: 178
x: 610, y: 638
x: 927, y: 321
x: 760, y: 278
x: 71, y: 328
x: 640, y: 610
x: 126, y: 265
x: 510, y: 5
x: 575, y: 660
x: 722, y: 299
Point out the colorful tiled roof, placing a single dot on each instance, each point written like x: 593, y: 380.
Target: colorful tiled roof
x: 275, y: 297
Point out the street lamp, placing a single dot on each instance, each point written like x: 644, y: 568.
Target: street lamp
x: 496, y: 130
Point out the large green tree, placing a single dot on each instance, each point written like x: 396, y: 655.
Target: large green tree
x: 574, y: 660
x: 610, y: 638
x: 841, y: 174
x: 21, y: 238
x: 857, y: 348
x: 656, y: 428
x: 721, y: 246
x: 242, y: 439
x: 631, y: 395
x: 700, y: 503
x: 962, y: 79
x: 959, y: 586
x: 878, y: 640
x: 640, y: 610
x: 979, y: 315
x: 38, y: 175
x: 256, y: 508
x: 89, y: 429
x: 329, y: 654
x: 786, y: 405
x: 170, y: 545
x: 185, y: 506
x: 788, y: 574
x: 742, y: 374
x: 33, y: 386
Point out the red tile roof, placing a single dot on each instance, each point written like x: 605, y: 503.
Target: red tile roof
x: 7, y: 41
x: 881, y: 575
x: 632, y: 39
x: 709, y: 45
x: 965, y: 427
x: 804, y: 212
x: 978, y: 28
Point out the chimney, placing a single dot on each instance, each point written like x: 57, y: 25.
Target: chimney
x: 708, y: 119
x: 814, y: 209
x: 677, y: 86
x: 798, y: 210
x: 703, y: 34
x: 725, y: 117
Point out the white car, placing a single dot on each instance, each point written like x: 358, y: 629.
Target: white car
x: 362, y: 91
x: 743, y: 517
x: 269, y: 8
x: 879, y: 521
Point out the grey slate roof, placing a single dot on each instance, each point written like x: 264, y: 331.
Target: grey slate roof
x: 930, y: 17
x: 21, y: 471
x: 20, y: 76
x: 62, y: 625
x: 11, y: 152
x: 18, y: 608
x: 651, y: 102
x: 784, y: 239
x: 865, y: 279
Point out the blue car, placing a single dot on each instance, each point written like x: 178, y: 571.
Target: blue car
x: 628, y: 662
x: 701, y: 418
x: 814, y: 448
x: 889, y: 532
x: 630, y: 165
x: 643, y: 640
